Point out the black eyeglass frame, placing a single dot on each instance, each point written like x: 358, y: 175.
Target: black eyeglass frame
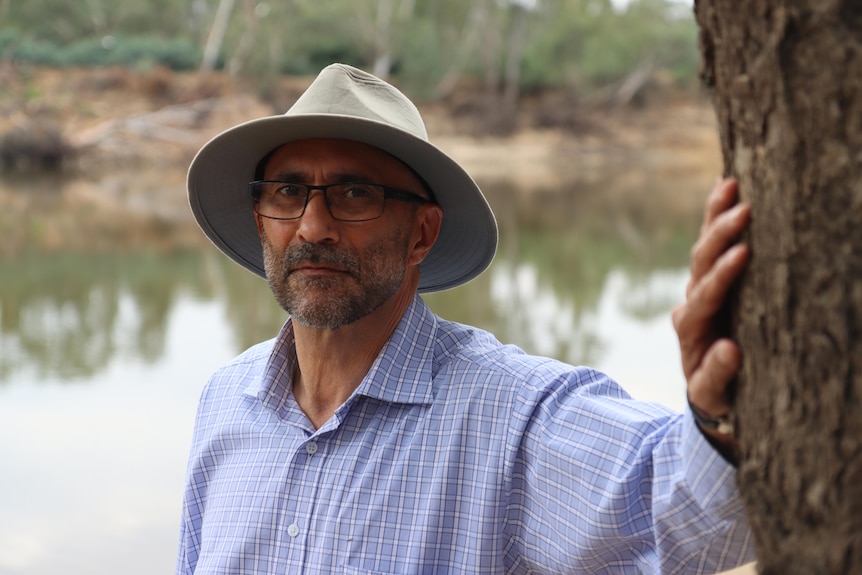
x: 388, y: 193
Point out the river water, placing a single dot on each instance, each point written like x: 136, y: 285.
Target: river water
x: 103, y: 353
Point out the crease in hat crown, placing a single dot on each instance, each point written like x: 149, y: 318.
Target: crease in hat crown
x: 343, y: 90
x: 350, y: 104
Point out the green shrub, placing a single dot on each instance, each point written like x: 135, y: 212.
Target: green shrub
x: 175, y: 54
x: 85, y: 53
x: 132, y: 52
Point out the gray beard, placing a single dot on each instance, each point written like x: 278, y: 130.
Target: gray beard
x: 330, y: 302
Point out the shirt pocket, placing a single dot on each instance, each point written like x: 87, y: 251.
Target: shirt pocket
x: 348, y: 570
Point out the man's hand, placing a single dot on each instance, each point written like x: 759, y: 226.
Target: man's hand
x: 708, y: 360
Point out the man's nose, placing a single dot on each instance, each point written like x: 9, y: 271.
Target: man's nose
x: 316, y: 223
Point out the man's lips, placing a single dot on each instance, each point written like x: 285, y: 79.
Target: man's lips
x: 312, y: 260
x: 317, y: 269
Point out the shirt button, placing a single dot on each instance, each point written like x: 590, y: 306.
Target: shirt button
x: 293, y: 530
x: 311, y: 448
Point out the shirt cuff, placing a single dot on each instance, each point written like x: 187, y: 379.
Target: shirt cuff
x: 711, y: 478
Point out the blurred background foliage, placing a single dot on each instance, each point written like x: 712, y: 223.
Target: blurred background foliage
x: 515, y: 46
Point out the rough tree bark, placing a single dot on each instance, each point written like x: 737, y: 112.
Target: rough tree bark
x: 786, y: 76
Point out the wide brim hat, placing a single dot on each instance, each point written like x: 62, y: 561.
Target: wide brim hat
x: 349, y: 104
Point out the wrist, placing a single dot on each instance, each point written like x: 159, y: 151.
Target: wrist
x: 719, y: 432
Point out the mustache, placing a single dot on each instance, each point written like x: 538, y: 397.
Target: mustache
x: 319, y: 254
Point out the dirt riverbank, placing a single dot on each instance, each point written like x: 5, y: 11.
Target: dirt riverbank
x: 117, y: 116
x: 134, y: 134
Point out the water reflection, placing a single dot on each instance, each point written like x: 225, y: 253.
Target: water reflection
x: 67, y: 315
x: 93, y: 471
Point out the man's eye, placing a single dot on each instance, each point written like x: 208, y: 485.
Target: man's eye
x: 369, y: 192
x: 290, y: 191
x: 356, y: 192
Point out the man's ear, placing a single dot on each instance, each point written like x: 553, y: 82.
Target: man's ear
x: 259, y: 222
x: 429, y: 218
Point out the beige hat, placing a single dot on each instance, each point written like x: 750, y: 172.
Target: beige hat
x: 349, y: 104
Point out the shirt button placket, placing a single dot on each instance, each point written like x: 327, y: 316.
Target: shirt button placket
x: 311, y: 448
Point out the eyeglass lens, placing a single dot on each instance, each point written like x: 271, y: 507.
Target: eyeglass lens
x: 349, y: 202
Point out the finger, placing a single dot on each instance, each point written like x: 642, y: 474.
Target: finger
x: 709, y: 294
x: 694, y: 320
x: 707, y: 388
x: 721, y: 197
x: 693, y: 346
x: 709, y: 245
x: 724, y: 230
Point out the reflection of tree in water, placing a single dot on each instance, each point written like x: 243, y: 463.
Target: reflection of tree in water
x: 53, y: 312
x: 153, y: 282
x: 67, y: 315
x: 557, y: 254
x: 650, y: 295
x: 251, y: 308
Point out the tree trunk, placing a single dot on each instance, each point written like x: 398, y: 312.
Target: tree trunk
x: 517, y: 40
x: 246, y: 42
x: 382, y: 38
x: 468, y: 39
x: 4, y: 9
x: 787, y: 85
x: 491, y: 47
x: 216, y: 35
x: 503, y: 57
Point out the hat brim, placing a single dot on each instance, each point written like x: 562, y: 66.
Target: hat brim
x: 219, y: 174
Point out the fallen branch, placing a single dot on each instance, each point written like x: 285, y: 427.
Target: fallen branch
x: 173, y: 124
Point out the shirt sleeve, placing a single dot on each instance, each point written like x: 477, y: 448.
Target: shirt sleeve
x: 193, y: 499
x: 605, y: 484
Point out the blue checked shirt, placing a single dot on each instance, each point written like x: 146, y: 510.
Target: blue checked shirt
x: 456, y: 454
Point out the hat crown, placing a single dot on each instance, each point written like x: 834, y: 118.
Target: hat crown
x: 343, y: 90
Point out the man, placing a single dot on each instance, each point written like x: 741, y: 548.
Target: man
x: 372, y: 436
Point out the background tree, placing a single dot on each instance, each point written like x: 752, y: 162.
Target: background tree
x: 518, y: 46
x: 515, y: 34
x: 787, y: 83
x: 216, y: 35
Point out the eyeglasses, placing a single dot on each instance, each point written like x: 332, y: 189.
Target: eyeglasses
x: 348, y: 202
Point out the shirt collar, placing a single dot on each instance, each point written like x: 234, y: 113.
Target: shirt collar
x: 401, y: 373
x: 274, y: 385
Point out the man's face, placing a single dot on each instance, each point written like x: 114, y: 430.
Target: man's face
x: 328, y: 273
